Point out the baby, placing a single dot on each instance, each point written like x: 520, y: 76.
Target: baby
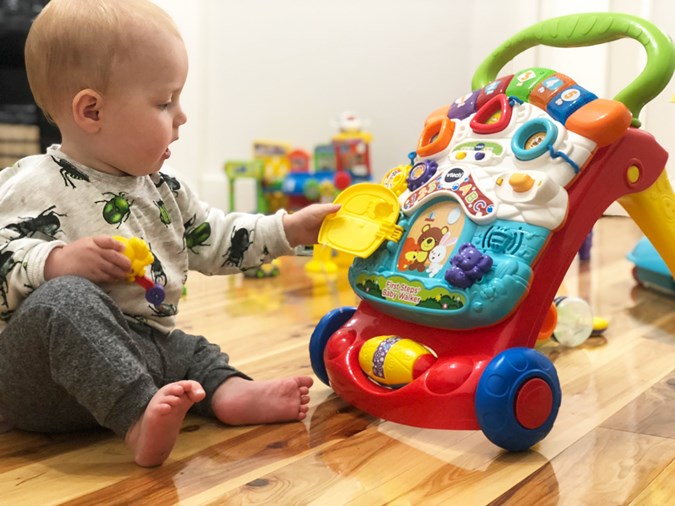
x: 79, y: 345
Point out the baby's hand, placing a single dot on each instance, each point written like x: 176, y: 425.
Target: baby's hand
x: 302, y: 227
x: 98, y: 259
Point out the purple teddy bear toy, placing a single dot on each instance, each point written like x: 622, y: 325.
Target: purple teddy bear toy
x: 468, y: 266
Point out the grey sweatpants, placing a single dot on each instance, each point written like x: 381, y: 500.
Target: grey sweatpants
x: 69, y: 360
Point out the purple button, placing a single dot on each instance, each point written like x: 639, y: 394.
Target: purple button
x: 464, y: 107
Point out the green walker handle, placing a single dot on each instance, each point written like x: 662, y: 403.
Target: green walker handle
x: 590, y: 29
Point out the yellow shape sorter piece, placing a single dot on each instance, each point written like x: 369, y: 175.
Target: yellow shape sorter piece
x: 366, y: 219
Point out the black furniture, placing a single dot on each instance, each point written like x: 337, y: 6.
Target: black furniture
x: 16, y: 102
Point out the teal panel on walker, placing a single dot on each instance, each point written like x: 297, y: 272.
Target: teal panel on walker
x: 448, y: 271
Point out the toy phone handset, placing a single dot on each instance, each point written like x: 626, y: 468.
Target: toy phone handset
x: 591, y: 29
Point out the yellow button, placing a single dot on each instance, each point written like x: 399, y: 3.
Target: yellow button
x: 461, y: 155
x: 633, y: 174
x: 395, y: 179
x: 521, y: 182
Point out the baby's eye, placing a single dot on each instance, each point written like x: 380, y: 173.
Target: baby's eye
x: 165, y: 106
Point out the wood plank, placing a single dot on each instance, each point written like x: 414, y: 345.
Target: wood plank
x: 605, y: 467
x: 661, y: 491
x: 653, y: 412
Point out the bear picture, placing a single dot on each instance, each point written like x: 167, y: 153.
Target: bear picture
x: 431, y: 239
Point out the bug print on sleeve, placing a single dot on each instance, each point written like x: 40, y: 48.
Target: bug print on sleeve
x: 69, y: 172
x: 171, y: 182
x: 157, y: 271
x: 241, y: 239
x: 164, y: 215
x: 7, y: 263
x: 117, y: 209
x: 196, y: 236
x: 46, y: 223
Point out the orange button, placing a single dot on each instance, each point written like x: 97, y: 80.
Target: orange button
x: 436, y: 136
x: 601, y: 120
x: 521, y: 182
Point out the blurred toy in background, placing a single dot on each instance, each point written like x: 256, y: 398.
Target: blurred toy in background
x: 327, y: 260
x: 352, y: 147
x: 585, y: 250
x: 267, y: 169
x: 571, y: 322
x: 649, y: 269
x: 322, y: 260
x: 304, y: 184
x: 343, y: 162
x: 293, y: 178
x: 274, y: 156
x: 324, y: 158
x: 236, y: 170
x: 299, y: 161
x: 268, y: 270
x: 138, y: 251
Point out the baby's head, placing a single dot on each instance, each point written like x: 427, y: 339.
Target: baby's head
x: 88, y: 61
x: 76, y: 44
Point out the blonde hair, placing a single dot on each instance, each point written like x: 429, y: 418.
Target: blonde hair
x: 74, y: 45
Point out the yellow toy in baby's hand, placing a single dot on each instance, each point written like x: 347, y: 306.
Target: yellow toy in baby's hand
x: 138, y: 252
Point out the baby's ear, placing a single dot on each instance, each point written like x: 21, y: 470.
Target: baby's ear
x: 86, y: 109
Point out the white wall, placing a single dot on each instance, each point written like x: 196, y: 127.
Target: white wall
x: 286, y: 69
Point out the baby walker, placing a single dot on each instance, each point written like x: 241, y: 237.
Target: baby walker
x: 461, y: 251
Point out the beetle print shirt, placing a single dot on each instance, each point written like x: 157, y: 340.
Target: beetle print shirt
x: 50, y: 200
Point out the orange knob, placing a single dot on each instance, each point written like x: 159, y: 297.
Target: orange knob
x: 521, y: 182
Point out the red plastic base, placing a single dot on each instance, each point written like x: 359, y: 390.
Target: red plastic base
x: 443, y: 395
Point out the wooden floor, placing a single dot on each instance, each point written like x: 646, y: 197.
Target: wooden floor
x: 613, y: 442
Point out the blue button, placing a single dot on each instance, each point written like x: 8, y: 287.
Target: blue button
x: 562, y: 105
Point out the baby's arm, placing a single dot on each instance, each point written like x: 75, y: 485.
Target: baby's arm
x: 98, y: 259
x: 222, y: 243
x: 302, y: 227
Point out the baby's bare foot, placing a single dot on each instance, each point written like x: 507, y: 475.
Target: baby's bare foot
x: 242, y: 402
x: 152, y: 437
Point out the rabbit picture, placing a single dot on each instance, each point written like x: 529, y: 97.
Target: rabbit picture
x: 439, y: 254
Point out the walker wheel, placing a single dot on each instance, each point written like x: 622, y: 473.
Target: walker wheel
x: 326, y: 327
x: 517, y: 398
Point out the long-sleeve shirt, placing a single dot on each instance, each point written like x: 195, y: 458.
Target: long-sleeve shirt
x: 50, y: 200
